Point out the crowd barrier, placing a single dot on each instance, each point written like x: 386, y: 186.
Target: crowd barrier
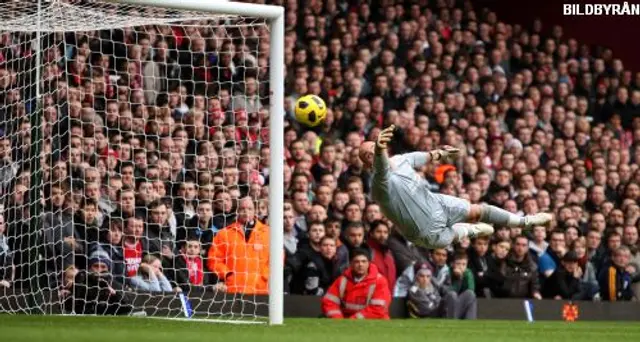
x: 234, y: 305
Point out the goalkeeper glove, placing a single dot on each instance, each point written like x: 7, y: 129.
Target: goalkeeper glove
x: 446, y: 154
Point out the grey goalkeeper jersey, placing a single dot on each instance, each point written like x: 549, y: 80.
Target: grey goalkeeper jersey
x: 404, y: 197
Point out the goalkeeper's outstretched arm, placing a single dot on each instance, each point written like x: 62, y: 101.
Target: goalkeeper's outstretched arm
x: 420, y: 159
x: 376, y: 156
x: 381, y: 163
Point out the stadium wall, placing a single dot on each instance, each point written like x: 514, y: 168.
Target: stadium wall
x: 609, y: 31
x: 309, y: 306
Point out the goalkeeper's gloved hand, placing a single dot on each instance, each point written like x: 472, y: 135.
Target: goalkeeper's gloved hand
x: 446, y: 154
x: 384, y: 137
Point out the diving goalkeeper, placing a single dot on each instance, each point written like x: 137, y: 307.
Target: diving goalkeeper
x: 427, y: 218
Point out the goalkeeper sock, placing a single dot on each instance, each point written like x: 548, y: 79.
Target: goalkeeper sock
x: 500, y: 217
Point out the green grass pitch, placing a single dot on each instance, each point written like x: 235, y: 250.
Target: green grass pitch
x: 121, y: 329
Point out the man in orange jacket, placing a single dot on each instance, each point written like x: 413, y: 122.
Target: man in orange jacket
x: 360, y: 293
x: 240, y: 252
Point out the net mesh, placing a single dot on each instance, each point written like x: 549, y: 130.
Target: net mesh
x: 130, y: 138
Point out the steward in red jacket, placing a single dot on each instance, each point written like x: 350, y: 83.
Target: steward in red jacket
x: 361, y: 292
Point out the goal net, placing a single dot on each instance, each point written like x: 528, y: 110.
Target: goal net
x: 136, y: 162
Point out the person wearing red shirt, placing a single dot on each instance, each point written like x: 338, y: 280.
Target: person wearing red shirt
x: 193, y: 261
x: 188, y: 268
x: 132, y: 245
x: 382, y: 255
x: 361, y: 292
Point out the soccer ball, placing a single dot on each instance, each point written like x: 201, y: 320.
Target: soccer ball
x: 310, y: 110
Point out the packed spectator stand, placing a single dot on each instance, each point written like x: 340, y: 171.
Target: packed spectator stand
x: 150, y: 177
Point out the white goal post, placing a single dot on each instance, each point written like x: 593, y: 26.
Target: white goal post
x: 274, y: 19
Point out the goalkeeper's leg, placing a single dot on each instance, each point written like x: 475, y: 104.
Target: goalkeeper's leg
x: 466, y: 219
x: 457, y: 212
x: 493, y: 215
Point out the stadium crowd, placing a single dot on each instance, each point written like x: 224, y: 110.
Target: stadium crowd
x: 155, y: 159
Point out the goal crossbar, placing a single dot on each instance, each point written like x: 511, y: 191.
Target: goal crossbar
x: 234, y: 8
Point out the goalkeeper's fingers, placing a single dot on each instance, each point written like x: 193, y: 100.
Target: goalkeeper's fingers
x: 384, y: 141
x: 451, y: 151
x: 389, y: 129
x: 450, y: 148
x: 385, y: 137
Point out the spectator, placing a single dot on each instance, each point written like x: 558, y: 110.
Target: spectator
x: 352, y: 210
x: 594, y: 237
x: 321, y: 272
x: 309, y: 251
x: 290, y: 240
x: 589, y: 281
x: 333, y: 229
x: 427, y: 299
x: 382, y: 256
x: 150, y: 276
x: 355, y: 169
x: 200, y: 225
x: 240, y: 252
x: 514, y: 276
x: 337, y: 207
x: 111, y: 242
x: 58, y: 230
x: 127, y: 206
x: 441, y: 269
x: 550, y: 260
x: 351, y: 295
x: 224, y: 212
x: 187, y: 269
x: 184, y: 203
x: 317, y: 214
x: 353, y: 239
x: 159, y: 73
x: 564, y: 283
x: 407, y: 256
x: 8, y: 168
x: 539, y: 243
x: 302, y: 207
x: 372, y: 213
x: 613, y: 240
x: 460, y: 278
x: 324, y: 195
x: 133, y: 248
x: 630, y: 239
x: 615, y: 278
x: 248, y: 99
x: 7, y: 268
x: 86, y: 224
x: 327, y: 162
x: 158, y: 231
x: 94, y: 291
x: 478, y: 260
